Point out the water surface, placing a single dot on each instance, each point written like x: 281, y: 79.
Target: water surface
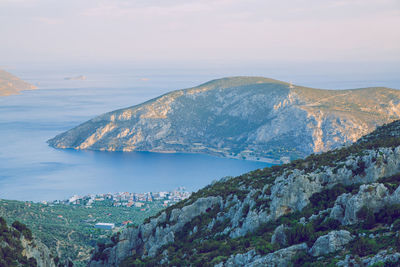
x: 31, y: 170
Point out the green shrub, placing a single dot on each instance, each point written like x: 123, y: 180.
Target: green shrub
x: 388, y: 214
x: 360, y: 170
x: 367, y: 215
x: 299, y: 233
x: 302, y: 259
x: 326, y: 225
x: 391, y: 182
x: 378, y: 264
x: 263, y: 247
x: 364, y: 247
x: 23, y: 229
x: 396, y: 225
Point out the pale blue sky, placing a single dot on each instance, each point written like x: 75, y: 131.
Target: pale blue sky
x: 188, y: 30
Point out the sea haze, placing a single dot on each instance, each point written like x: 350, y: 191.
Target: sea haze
x: 31, y: 170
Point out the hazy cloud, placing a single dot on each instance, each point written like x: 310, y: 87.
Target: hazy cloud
x: 202, y: 29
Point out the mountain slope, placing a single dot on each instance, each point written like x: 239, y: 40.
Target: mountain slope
x: 18, y: 248
x: 252, y: 117
x: 338, y: 208
x: 11, y: 85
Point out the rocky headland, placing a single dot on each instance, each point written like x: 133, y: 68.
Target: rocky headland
x: 240, y: 117
x: 12, y: 85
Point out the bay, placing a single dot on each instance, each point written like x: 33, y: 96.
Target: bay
x: 31, y: 170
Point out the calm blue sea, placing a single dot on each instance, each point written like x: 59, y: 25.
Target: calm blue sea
x: 31, y: 170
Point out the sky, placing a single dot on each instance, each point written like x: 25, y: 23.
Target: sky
x: 199, y: 30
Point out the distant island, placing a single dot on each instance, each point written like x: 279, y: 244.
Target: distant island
x: 76, y: 78
x: 252, y: 118
x: 12, y: 85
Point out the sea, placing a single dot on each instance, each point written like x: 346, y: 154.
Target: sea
x: 30, y: 170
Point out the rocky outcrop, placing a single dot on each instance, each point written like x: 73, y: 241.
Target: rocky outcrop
x: 281, y: 257
x: 11, y: 85
x: 37, y: 250
x: 279, y: 236
x: 19, y: 248
x: 373, y: 196
x: 240, y: 117
x: 382, y: 257
x: 150, y: 237
x: 330, y: 243
x: 271, y: 217
x: 278, y: 258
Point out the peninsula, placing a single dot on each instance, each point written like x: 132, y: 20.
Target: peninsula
x: 240, y: 117
x: 12, y: 85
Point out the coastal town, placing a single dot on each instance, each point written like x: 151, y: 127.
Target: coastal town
x: 145, y: 203
x: 127, y: 199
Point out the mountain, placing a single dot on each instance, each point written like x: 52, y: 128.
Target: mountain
x: 240, y: 117
x: 337, y: 208
x: 12, y: 85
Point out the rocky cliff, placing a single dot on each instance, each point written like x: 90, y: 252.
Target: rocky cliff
x: 11, y: 85
x: 19, y: 248
x: 338, y: 208
x: 241, y: 117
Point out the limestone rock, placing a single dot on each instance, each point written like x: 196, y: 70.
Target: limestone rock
x: 373, y: 196
x: 383, y: 256
x: 279, y: 236
x: 41, y: 253
x: 331, y: 242
x: 148, y: 238
x: 279, y: 258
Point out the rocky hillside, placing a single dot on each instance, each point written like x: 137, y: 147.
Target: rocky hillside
x: 241, y: 117
x: 11, y: 85
x: 18, y: 248
x: 338, y: 208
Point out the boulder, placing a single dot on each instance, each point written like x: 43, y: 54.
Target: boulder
x: 282, y: 257
x: 331, y: 242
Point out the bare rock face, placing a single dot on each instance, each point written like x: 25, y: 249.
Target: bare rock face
x: 11, y: 85
x: 38, y: 251
x: 281, y: 257
x: 279, y: 236
x: 252, y: 117
x: 150, y: 237
x: 382, y: 257
x: 331, y: 242
x: 373, y: 196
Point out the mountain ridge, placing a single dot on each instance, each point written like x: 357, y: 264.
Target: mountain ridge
x: 240, y: 117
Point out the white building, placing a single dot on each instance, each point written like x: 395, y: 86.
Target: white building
x: 105, y: 226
